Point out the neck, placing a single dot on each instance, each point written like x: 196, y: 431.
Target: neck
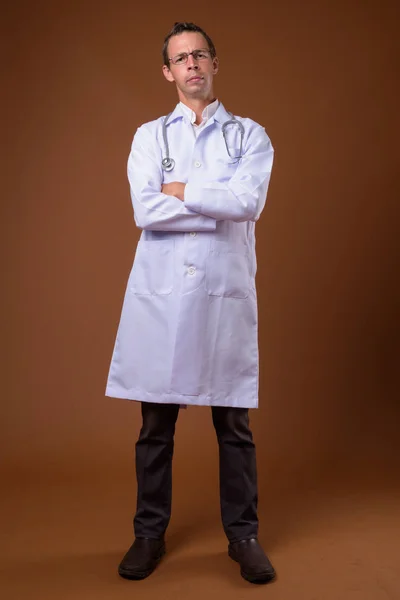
x: 197, y: 105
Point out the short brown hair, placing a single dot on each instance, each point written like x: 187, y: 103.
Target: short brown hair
x: 180, y: 27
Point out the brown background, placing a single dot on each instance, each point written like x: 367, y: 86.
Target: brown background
x: 79, y: 78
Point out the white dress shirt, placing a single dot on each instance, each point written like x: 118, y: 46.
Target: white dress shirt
x: 190, y: 115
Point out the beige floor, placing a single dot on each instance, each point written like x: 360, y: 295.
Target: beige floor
x: 336, y: 540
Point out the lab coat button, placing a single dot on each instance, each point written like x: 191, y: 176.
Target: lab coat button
x: 193, y: 234
x: 192, y: 270
x: 197, y: 164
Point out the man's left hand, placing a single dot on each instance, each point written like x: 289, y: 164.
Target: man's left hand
x: 175, y: 188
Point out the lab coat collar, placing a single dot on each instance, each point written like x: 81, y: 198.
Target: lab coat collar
x: 208, y: 112
x: 221, y: 114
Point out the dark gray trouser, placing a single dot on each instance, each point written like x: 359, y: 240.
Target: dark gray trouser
x: 237, y: 467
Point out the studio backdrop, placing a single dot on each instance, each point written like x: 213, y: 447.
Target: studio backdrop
x: 320, y: 77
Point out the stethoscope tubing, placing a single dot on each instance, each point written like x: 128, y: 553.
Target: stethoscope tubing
x: 168, y: 163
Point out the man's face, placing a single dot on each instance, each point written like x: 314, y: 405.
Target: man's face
x: 193, y: 79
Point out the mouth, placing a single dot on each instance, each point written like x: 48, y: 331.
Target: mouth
x: 195, y: 79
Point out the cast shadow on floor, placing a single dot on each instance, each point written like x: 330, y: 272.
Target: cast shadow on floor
x: 95, y: 575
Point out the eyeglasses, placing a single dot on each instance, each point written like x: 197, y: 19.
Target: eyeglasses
x: 182, y: 58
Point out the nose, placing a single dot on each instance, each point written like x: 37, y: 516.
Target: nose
x: 191, y: 63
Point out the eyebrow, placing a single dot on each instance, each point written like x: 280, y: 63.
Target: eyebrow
x: 186, y: 52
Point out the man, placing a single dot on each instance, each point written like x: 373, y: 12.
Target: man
x: 188, y: 328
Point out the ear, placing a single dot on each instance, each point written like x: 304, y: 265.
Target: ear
x: 215, y: 65
x: 167, y: 74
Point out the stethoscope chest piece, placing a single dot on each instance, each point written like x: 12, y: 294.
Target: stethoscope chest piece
x: 168, y: 163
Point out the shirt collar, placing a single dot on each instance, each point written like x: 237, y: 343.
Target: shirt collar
x: 207, y: 113
x: 221, y: 115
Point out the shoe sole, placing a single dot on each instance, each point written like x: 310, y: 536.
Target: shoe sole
x: 137, y: 575
x: 251, y: 578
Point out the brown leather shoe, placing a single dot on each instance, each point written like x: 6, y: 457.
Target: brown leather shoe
x: 142, y: 558
x: 254, y: 564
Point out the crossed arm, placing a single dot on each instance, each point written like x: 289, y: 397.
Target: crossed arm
x: 175, y: 188
x: 197, y: 206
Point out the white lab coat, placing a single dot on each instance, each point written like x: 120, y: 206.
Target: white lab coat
x: 188, y: 328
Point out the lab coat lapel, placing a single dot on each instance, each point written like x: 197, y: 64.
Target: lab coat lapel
x: 176, y: 114
x: 221, y: 114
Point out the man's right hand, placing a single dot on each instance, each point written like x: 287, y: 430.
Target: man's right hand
x: 175, y: 188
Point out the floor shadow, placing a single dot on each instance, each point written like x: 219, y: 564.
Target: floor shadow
x: 95, y: 576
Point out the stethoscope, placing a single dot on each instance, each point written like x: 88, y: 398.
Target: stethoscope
x: 168, y: 163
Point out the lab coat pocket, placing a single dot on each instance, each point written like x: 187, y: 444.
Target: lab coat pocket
x: 153, y: 268
x: 227, y: 271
